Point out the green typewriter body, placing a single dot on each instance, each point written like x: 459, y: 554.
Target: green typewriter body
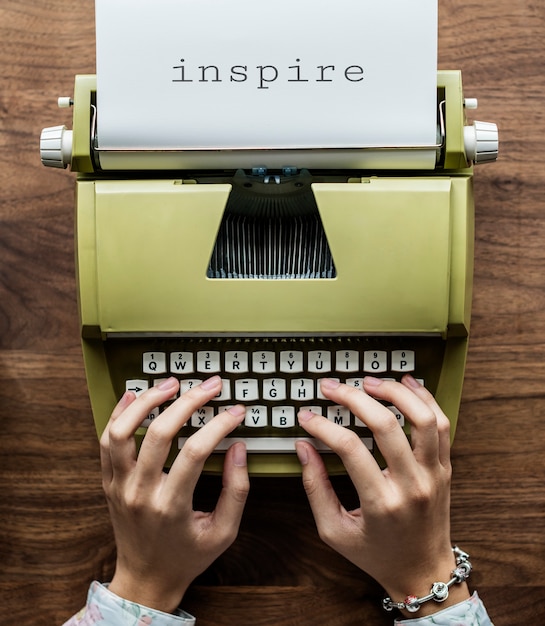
x: 273, y: 279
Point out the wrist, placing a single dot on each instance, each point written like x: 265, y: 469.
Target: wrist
x: 147, y: 593
x: 456, y: 595
x: 435, y: 594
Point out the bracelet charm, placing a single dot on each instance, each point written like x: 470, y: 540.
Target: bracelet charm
x: 439, y: 591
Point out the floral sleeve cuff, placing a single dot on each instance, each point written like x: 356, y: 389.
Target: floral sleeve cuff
x: 104, y: 608
x: 468, y: 613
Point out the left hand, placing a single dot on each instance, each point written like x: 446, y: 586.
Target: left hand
x: 162, y: 543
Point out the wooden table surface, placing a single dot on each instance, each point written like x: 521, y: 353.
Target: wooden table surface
x: 55, y: 535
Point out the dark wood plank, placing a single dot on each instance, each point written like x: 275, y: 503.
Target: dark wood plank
x: 55, y: 534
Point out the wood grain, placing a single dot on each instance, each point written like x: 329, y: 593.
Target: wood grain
x: 55, y: 535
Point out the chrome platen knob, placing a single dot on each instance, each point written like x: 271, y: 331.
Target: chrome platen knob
x: 56, y: 146
x: 481, y: 142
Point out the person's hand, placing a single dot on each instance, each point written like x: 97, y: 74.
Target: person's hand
x: 400, y: 535
x: 162, y: 543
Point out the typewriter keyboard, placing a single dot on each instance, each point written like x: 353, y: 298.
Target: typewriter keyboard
x: 273, y: 377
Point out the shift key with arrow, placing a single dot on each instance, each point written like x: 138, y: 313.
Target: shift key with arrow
x: 137, y: 386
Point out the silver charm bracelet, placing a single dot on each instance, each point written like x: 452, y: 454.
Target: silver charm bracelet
x: 439, y: 591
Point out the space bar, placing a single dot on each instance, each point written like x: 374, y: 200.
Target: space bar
x: 272, y: 445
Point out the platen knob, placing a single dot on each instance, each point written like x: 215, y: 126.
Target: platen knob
x: 56, y: 146
x: 481, y: 142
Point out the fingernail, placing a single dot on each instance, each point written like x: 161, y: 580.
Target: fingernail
x: 167, y: 384
x: 371, y: 381
x: 304, y: 415
x: 210, y: 383
x: 238, y: 410
x: 126, y: 398
x: 302, y: 452
x: 412, y: 382
x: 239, y: 455
x: 329, y: 383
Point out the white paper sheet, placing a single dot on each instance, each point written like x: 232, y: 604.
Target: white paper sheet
x: 201, y: 75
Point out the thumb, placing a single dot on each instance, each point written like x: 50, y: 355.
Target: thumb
x: 236, y: 485
x: 324, y: 503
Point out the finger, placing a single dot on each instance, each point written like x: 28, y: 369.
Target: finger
x: 121, y: 430
x: 422, y: 417
x: 162, y: 431
x: 230, y: 506
x: 357, y: 459
x: 189, y: 463
x: 105, y: 460
x: 324, y: 503
x: 384, y: 425
x: 443, y: 422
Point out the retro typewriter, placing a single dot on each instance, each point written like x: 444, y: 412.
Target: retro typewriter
x: 271, y: 266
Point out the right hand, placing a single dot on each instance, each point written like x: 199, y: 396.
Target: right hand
x: 400, y: 535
